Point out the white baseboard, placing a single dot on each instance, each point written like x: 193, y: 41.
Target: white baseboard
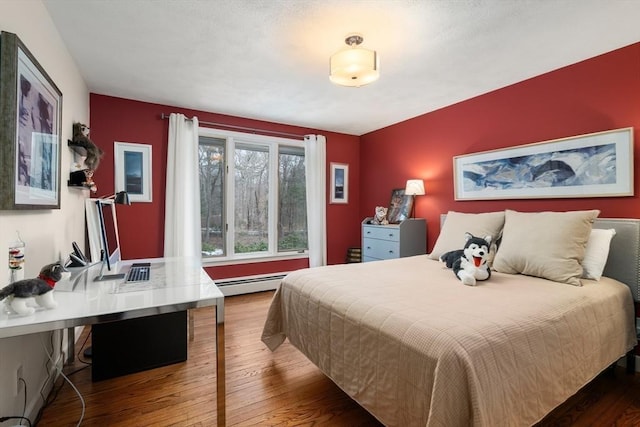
x: 250, y: 284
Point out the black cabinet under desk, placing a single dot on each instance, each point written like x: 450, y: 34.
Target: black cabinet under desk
x: 134, y: 345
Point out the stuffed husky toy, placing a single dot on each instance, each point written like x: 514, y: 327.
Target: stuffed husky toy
x: 471, y: 263
x: 41, y: 288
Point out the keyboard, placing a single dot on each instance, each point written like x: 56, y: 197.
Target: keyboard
x: 139, y: 272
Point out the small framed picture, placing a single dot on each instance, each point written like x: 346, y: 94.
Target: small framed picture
x: 399, y: 207
x: 30, y: 137
x: 133, y: 170
x: 339, y: 183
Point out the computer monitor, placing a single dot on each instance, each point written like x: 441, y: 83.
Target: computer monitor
x: 108, y: 232
x: 102, y: 229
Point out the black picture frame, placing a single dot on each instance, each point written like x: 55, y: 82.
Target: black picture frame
x: 30, y: 130
x: 399, y: 207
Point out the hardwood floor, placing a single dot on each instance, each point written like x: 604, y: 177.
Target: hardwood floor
x: 269, y: 389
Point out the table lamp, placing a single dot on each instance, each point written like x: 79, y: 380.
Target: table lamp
x: 414, y: 187
x: 120, y: 198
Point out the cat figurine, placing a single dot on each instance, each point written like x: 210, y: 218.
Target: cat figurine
x: 41, y: 289
x: 85, y: 147
x: 380, y: 217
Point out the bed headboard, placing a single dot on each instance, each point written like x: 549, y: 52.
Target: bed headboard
x: 624, y: 254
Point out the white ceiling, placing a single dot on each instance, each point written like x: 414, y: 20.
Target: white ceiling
x: 269, y: 59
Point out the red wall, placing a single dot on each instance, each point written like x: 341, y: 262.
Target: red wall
x: 142, y: 224
x: 598, y: 94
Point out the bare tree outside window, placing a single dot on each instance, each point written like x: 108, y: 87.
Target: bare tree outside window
x: 251, y: 186
x: 292, y: 200
x: 211, y: 158
x: 252, y: 199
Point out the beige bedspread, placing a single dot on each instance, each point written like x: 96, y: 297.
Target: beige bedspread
x: 415, y: 347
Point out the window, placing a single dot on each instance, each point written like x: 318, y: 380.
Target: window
x: 253, y: 195
x: 211, y: 157
x: 292, y: 200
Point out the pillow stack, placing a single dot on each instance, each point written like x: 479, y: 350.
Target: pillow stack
x: 480, y: 225
x: 550, y: 245
x: 597, y: 252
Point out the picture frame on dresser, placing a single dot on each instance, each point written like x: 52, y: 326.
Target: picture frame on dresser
x: 30, y: 130
x: 399, y: 207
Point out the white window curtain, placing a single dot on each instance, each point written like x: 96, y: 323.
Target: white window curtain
x: 182, y: 206
x: 315, y: 160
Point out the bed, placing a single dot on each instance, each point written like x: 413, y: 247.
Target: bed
x: 415, y: 347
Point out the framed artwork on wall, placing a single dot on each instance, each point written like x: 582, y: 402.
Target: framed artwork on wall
x: 399, y: 207
x: 30, y: 123
x: 339, y: 183
x: 592, y: 165
x: 133, y: 170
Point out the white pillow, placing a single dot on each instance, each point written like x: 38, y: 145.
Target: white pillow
x: 596, y: 253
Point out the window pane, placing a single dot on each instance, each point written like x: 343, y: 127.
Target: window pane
x: 251, y: 198
x: 292, y: 200
x: 211, y: 157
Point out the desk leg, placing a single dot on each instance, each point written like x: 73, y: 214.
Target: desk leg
x: 191, y: 325
x: 220, y: 364
x: 71, y: 344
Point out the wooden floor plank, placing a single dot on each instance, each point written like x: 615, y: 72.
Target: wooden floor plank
x: 273, y: 389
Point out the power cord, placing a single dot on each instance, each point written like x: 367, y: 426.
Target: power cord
x: 82, y: 348
x: 53, y: 395
x: 67, y: 380
x: 24, y: 407
x: 47, y: 368
x: 3, y: 419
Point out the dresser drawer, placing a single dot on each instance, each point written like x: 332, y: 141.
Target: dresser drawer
x: 406, y: 238
x: 381, y: 232
x: 380, y: 249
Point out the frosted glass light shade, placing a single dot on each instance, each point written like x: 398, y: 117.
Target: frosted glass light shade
x: 415, y: 187
x: 354, y: 66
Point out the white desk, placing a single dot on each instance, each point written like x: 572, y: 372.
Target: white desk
x: 176, y: 284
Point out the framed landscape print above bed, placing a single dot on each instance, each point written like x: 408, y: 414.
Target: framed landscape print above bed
x: 592, y: 165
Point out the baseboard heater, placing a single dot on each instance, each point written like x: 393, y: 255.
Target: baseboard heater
x: 249, y: 284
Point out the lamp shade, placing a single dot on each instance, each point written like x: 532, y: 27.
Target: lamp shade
x: 415, y: 187
x: 354, y: 66
x: 122, y: 198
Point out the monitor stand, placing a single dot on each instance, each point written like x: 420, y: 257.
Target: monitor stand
x: 102, y: 277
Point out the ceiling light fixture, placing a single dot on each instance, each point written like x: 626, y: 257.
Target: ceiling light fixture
x: 354, y: 66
